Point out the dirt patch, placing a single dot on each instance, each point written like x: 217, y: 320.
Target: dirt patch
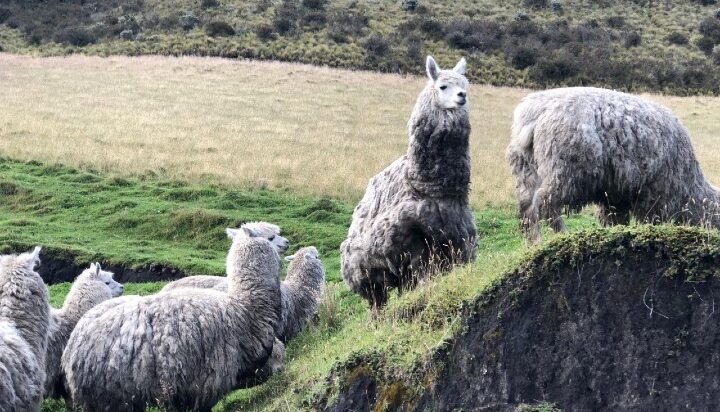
x: 63, y: 266
x: 621, y: 320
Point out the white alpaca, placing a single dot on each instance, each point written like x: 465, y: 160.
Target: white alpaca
x: 24, y: 319
x: 183, y: 349
x: 92, y: 287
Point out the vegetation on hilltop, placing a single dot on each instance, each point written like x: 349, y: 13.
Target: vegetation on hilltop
x: 630, y: 44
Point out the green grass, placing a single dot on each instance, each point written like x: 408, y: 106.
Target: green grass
x: 149, y: 221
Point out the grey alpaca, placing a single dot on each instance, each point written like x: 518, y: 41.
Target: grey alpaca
x: 24, y: 319
x: 417, y: 208
x: 183, y: 349
x: 633, y: 158
x: 92, y: 287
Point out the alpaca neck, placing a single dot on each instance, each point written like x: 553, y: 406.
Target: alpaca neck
x: 439, y: 153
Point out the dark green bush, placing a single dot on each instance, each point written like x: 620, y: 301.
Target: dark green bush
x: 482, y: 35
x: 208, y: 4
x: 376, y: 45
x: 677, y: 38
x: 219, y: 28
x: 264, y: 31
x: 314, y: 4
x: 76, y: 36
x: 189, y: 20
x: 710, y: 28
x: 5, y: 14
x: 705, y: 44
x: 616, y: 22
x: 536, y: 4
x: 523, y: 57
x: 632, y: 39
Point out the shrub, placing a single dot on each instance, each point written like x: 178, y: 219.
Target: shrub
x: 189, y: 20
x: 219, y: 28
x: 342, y: 25
x: 716, y: 56
x: 521, y: 16
x: 314, y: 4
x: 127, y: 34
x: 409, y: 5
x: 483, y: 35
x: 264, y: 31
x: 208, y: 4
x: 677, y: 38
x: 632, y: 39
x: 616, y: 22
x: 5, y: 14
x: 554, y: 69
x: 286, y: 17
x: 536, y: 4
x: 432, y: 27
x: 314, y: 19
x: 705, y: 2
x: 523, y: 57
x: 710, y: 28
x: 76, y: 36
x: 522, y: 28
x: 376, y: 45
x: 705, y: 44
x: 556, y: 6
x: 414, y: 44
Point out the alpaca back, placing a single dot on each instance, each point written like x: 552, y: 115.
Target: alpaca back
x: 301, y: 292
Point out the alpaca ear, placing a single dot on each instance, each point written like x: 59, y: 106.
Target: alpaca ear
x: 97, y: 268
x: 33, y: 257
x: 290, y: 258
x: 232, y: 232
x: 432, y: 68
x: 460, y: 66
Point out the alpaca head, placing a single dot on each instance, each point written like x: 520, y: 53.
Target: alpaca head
x: 450, y: 86
x: 30, y: 260
x: 102, y: 280
x: 270, y: 232
x: 248, y: 231
x: 305, y: 264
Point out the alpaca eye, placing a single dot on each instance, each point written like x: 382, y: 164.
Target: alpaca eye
x: 271, y: 238
x: 443, y: 87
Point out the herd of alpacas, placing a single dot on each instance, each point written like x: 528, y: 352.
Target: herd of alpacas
x: 202, y: 336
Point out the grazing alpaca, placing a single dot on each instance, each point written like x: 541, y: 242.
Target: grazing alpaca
x: 417, y: 209
x: 576, y: 146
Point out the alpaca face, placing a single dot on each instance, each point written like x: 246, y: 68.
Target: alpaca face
x: 451, y: 86
x: 271, y: 233
x: 106, y: 278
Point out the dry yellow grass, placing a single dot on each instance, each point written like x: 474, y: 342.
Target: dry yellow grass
x: 315, y: 130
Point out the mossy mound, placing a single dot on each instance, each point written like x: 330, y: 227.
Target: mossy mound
x: 621, y: 319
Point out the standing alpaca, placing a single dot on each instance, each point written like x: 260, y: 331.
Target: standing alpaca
x: 417, y: 208
x: 24, y: 319
x: 576, y: 146
x: 91, y: 288
x: 182, y: 349
x: 269, y: 231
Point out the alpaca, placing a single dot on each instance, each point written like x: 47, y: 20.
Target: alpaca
x: 299, y: 292
x: 24, y: 320
x: 274, y: 365
x: 183, y: 349
x: 91, y: 287
x: 417, y: 209
x: 267, y: 230
x: 633, y: 158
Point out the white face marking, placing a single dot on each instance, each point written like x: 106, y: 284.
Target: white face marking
x: 451, y: 85
x: 116, y: 289
x: 451, y: 94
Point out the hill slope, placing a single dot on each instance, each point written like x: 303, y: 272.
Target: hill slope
x: 602, y: 320
x: 631, y: 44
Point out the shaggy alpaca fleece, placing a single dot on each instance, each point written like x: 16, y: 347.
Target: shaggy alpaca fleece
x: 576, y: 146
x: 92, y: 287
x: 183, y: 349
x: 24, y: 319
x: 417, y: 209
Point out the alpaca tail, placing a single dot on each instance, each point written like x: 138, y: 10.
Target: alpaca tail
x: 520, y: 156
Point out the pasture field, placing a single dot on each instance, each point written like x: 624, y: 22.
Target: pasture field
x: 143, y: 161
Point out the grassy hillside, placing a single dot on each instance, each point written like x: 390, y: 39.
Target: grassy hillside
x: 137, y: 222
x: 629, y: 44
x: 315, y: 131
